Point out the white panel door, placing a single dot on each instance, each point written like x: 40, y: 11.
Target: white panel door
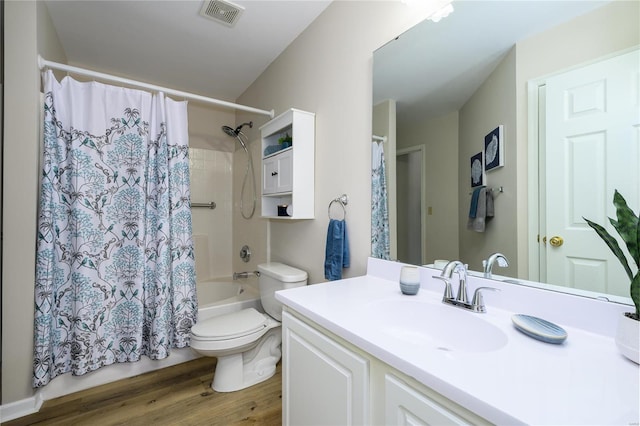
x: 284, y: 171
x: 406, y: 406
x: 592, y: 148
x: 323, y: 383
x: 269, y: 175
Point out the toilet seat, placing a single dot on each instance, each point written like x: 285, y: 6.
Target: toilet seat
x: 236, y: 331
x: 231, y: 326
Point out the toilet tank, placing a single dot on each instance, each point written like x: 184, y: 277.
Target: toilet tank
x: 276, y: 276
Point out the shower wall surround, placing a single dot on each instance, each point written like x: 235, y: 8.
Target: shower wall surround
x: 211, y: 180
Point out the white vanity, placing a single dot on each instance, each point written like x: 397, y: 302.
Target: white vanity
x: 358, y: 351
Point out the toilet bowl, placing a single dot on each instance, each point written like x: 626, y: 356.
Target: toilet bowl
x: 247, y: 342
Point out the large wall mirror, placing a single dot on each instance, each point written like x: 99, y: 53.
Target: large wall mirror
x: 561, y: 82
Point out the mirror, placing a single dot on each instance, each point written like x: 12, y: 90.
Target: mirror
x: 440, y: 88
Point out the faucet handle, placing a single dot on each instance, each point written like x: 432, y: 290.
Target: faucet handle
x: 448, y: 293
x: 477, y: 304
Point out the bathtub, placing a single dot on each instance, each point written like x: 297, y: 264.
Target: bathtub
x: 222, y: 296
x: 215, y: 297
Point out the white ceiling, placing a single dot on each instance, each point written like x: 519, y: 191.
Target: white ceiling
x: 434, y: 68
x: 169, y: 44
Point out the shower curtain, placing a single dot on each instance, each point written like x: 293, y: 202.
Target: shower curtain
x: 115, y: 273
x: 379, y: 204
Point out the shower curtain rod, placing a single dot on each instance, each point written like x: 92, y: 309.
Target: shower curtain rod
x: 42, y: 63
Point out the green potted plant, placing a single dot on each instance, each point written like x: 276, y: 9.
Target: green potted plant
x: 628, y: 227
x: 286, y: 140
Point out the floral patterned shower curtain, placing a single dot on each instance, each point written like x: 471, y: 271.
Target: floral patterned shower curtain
x: 379, y: 205
x: 115, y: 273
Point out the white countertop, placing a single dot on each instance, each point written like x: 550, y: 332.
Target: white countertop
x: 583, y: 381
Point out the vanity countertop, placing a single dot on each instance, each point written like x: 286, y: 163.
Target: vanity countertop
x: 584, y: 380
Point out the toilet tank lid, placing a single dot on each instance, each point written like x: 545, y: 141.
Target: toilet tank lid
x: 282, y: 272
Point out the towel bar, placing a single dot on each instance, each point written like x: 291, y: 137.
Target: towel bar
x: 211, y: 205
x: 496, y: 189
x: 343, y: 200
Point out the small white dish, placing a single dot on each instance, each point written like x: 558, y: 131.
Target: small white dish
x: 539, y: 329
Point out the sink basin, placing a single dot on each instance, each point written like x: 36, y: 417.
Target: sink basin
x: 433, y: 325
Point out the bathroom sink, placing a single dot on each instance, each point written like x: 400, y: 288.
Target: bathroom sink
x: 433, y: 325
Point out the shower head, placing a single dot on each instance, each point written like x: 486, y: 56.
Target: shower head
x: 235, y: 132
x: 228, y: 130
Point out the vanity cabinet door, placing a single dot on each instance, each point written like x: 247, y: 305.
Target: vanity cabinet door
x: 324, y: 383
x: 405, y: 405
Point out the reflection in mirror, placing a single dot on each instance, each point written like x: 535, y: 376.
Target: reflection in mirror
x: 442, y: 87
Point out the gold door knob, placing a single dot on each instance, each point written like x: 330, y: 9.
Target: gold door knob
x: 556, y: 241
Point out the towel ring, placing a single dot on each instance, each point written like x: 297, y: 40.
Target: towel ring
x: 343, y: 200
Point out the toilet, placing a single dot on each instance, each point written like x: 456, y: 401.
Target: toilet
x: 247, y: 342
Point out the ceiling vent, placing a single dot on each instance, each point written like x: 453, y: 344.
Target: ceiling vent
x: 222, y: 11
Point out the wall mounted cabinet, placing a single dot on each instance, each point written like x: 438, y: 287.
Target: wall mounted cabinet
x: 288, y: 174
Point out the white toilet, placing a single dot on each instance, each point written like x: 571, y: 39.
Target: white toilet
x: 247, y: 342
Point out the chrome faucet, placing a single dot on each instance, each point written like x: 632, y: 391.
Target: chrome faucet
x: 488, y: 264
x: 462, y: 299
x: 237, y: 275
x: 447, y: 273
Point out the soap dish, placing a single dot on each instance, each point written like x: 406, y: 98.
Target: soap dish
x: 539, y: 329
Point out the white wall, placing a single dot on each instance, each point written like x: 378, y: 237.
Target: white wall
x: 23, y: 39
x: 327, y: 70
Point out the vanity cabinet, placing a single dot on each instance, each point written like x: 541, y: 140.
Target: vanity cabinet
x: 328, y: 381
x: 324, y: 383
x: 288, y: 174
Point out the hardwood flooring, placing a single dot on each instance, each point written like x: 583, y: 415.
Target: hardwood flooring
x: 178, y: 395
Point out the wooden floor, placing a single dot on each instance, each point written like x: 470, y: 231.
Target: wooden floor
x: 179, y: 395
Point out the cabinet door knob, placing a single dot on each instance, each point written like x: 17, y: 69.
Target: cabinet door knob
x: 274, y: 173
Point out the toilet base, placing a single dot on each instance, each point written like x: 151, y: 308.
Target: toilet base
x: 241, y: 370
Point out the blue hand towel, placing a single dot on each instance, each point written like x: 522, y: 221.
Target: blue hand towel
x: 473, y: 209
x: 337, y: 250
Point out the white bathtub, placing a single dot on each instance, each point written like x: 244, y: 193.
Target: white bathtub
x: 222, y: 296
x: 215, y: 297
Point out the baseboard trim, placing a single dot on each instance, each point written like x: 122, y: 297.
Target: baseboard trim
x: 21, y: 408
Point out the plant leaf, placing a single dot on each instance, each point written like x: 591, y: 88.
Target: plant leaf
x: 613, y: 245
x: 638, y: 241
x: 635, y: 293
x: 626, y: 225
